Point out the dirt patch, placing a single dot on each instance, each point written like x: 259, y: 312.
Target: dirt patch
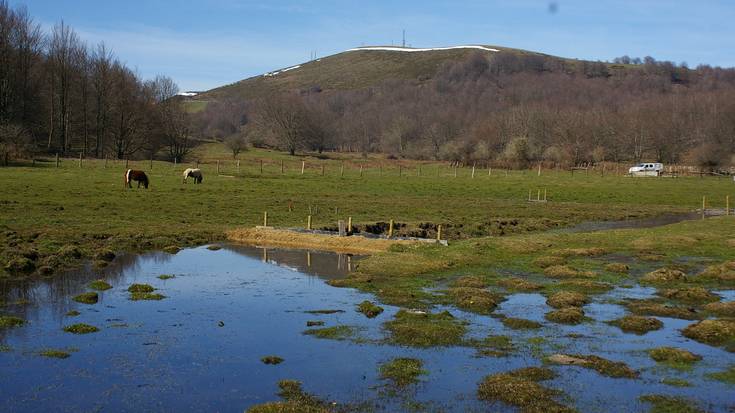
x: 723, y: 274
x: 271, y: 360
x: 296, y: 400
x: 581, y: 252
x: 332, y: 333
x: 584, y: 286
x: 81, y: 328
x: 322, y: 242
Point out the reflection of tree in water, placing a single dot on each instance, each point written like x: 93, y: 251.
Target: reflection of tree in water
x: 56, y: 292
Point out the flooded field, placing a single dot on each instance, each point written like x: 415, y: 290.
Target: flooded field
x: 200, y: 347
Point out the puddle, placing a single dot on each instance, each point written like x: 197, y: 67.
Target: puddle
x: 199, y: 349
x: 651, y: 222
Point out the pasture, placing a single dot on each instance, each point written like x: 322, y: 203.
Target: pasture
x: 49, y: 207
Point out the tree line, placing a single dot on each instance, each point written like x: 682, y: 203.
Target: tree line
x: 506, y: 108
x: 61, y: 95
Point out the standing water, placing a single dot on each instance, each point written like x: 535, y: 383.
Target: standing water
x: 200, y: 348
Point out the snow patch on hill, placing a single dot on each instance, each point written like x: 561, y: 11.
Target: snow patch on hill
x: 411, y: 49
x: 270, y: 74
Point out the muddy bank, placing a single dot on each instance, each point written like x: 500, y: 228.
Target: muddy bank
x: 321, y: 242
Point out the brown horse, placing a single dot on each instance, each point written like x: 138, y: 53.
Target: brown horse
x: 134, y: 175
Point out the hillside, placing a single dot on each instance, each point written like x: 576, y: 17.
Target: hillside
x: 358, y: 68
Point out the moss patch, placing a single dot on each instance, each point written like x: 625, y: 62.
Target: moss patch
x: 583, y: 286
x: 726, y: 376
x: 72, y: 313
x: 689, y: 295
x: 87, y: 298
x: 520, y: 323
x: 324, y: 311
x: 141, y: 296
x: 617, y: 267
x: 726, y: 309
x: 475, y: 300
x: 493, y: 346
x: 469, y: 281
x: 141, y: 288
x: 7, y: 321
x: 425, y: 329
x: 20, y: 265
x: 712, y: 332
x: 81, y: 328
x: 296, y: 401
x: 664, y: 276
x: 105, y: 255
x: 670, y: 404
x: 569, y: 315
x: 171, y: 249
x: 519, y: 284
x: 271, y: 360
x: 100, y: 285
x: 370, y: 309
x: 565, y: 299
x: 653, y: 307
x: 637, y: 324
x: 520, y: 388
x: 676, y: 382
x: 166, y: 276
x: 214, y: 247
x: 53, y: 353
x: 674, y: 357
x: 332, y: 333
x: 565, y: 271
x: 548, y: 261
x: 402, y: 371
x: 603, y: 366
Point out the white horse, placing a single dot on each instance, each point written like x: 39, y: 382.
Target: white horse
x: 195, y: 173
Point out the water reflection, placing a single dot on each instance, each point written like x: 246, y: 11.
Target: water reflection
x: 324, y: 265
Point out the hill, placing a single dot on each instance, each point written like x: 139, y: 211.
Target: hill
x: 363, y: 67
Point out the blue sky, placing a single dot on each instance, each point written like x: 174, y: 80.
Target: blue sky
x: 204, y: 44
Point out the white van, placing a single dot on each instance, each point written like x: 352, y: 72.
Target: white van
x: 647, y: 169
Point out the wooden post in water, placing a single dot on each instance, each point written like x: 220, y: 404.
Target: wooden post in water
x: 308, y: 221
x: 303, y: 165
x: 390, y: 229
x: 265, y: 218
x: 439, y: 232
x: 308, y: 258
x: 57, y: 159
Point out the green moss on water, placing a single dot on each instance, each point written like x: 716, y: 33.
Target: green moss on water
x: 295, y: 401
x: 100, y: 285
x: 54, y: 353
x: 520, y: 323
x: 166, y: 276
x: 676, y: 382
x: 271, y: 360
x: 7, y: 321
x: 569, y: 315
x: 661, y: 403
x: 214, y: 247
x: 425, y: 329
x: 720, y: 332
x: 81, y: 328
x: 323, y: 311
x: 370, y: 309
x: 402, y: 371
x: 72, y: 313
x: 141, y: 288
x: 674, y: 357
x: 476, y: 300
x: 520, y: 388
x: 493, y: 346
x: 725, y: 376
x: 142, y: 296
x: 87, y: 298
x: 637, y: 324
x: 332, y: 333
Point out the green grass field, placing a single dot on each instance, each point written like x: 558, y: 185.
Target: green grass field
x: 45, y: 208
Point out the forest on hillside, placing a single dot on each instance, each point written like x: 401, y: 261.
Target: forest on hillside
x: 61, y: 95
x: 507, y: 108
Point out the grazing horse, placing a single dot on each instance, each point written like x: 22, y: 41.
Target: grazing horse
x: 195, y: 173
x: 134, y: 175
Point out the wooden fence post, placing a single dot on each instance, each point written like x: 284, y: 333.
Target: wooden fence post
x: 390, y: 229
x: 539, y: 169
x: 473, y: 171
x: 455, y: 171
x: 341, y: 229
x: 80, y: 159
x: 265, y: 218
x: 126, y: 163
x: 261, y: 167
x: 238, y: 166
x: 349, y: 224
x: 282, y: 170
x: 342, y: 169
x: 303, y: 165
x: 308, y: 220
x: 439, y: 232
x: 704, y: 205
x: 105, y: 161
x: 57, y: 159
x: 360, y: 171
x: 197, y: 164
x: 218, y: 167
x: 151, y: 164
x: 400, y: 171
x: 727, y: 205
